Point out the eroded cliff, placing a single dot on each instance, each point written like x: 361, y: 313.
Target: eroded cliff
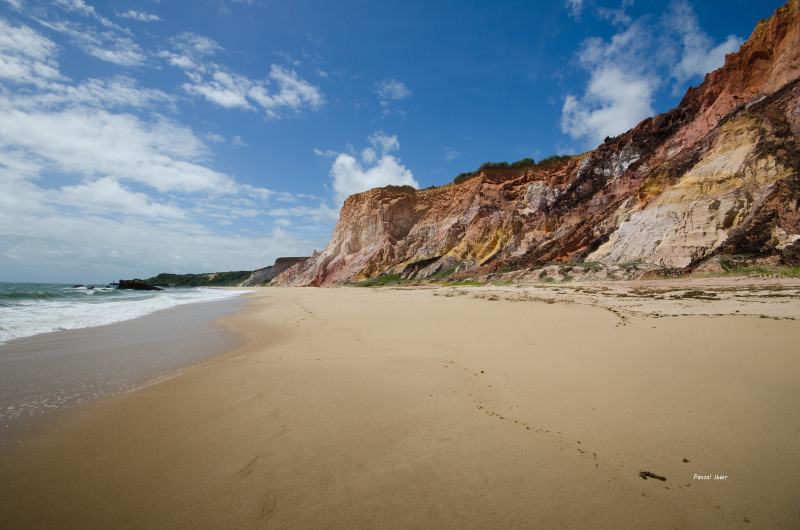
x: 717, y: 174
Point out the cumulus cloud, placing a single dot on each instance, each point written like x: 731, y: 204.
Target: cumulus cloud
x: 375, y: 168
x: 620, y: 90
x: 614, y: 102
x: 627, y: 71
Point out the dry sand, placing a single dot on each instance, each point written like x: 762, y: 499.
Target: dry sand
x: 483, y: 407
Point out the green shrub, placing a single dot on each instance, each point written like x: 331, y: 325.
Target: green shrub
x: 458, y: 283
x: 442, y: 274
x: 493, y: 165
x: 221, y: 279
x: 591, y: 265
x: 463, y: 177
x: 553, y: 158
x: 383, y: 279
x: 525, y: 162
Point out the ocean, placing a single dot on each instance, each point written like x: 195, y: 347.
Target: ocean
x: 28, y: 309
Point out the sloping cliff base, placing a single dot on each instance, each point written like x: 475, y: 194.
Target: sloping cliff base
x: 557, y: 406
x: 267, y: 274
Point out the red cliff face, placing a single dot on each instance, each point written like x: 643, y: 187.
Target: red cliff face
x: 717, y: 174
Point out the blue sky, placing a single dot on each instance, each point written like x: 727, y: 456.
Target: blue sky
x: 139, y: 137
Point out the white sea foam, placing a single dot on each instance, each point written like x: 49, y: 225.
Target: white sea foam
x: 62, y: 307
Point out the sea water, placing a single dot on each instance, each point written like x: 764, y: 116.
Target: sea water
x: 28, y: 309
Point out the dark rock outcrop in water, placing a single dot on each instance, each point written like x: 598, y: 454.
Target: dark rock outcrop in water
x: 137, y: 285
x: 718, y: 176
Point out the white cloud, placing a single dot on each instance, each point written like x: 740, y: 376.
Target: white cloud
x: 620, y: 90
x: 293, y: 90
x: 384, y: 143
x: 192, y: 49
x: 141, y: 16
x: 618, y: 17
x: 392, y: 89
x: 42, y: 246
x: 162, y: 155
x: 196, y: 46
x: 627, y: 71
x: 282, y: 90
x: 105, y: 45
x: 26, y: 56
x: 328, y: 152
x: 451, y: 154
x: 69, y: 129
x: 123, y: 52
x: 226, y: 90
x: 698, y: 53
x: 575, y: 7
x: 81, y: 7
x: 117, y: 92
x: 375, y: 169
x: 614, y: 102
x: 321, y: 214
x: 106, y: 195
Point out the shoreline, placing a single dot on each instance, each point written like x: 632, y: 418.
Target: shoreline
x: 479, y: 406
x: 45, y: 375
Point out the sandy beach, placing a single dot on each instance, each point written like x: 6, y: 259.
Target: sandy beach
x: 449, y: 407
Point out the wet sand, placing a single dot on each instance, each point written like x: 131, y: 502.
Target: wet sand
x: 478, y: 407
x: 44, y: 375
